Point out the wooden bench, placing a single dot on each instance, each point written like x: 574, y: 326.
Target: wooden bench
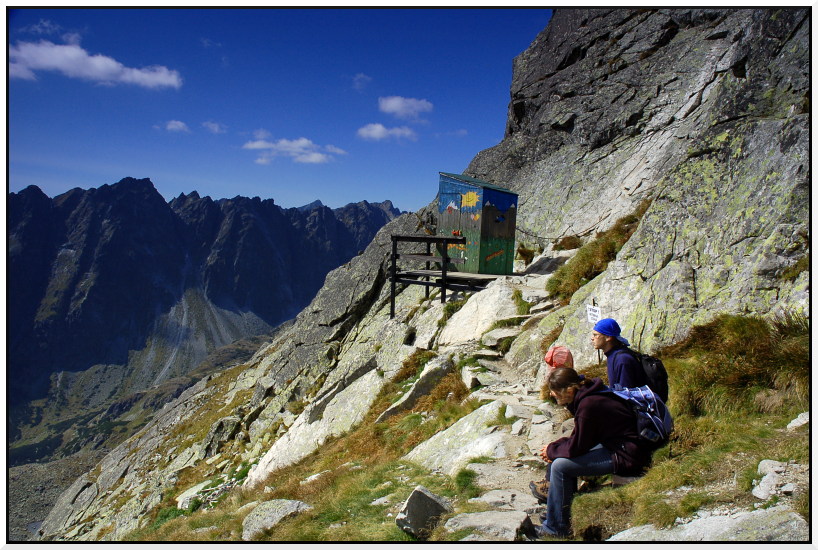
x: 444, y: 278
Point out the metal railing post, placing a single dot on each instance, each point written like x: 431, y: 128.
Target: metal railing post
x: 392, y: 277
x: 445, y: 255
x: 428, y: 266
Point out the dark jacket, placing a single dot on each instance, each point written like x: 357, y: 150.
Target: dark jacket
x: 606, y: 419
x: 624, y: 368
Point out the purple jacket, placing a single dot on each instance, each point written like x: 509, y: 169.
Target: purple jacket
x: 624, y: 369
x: 603, y: 418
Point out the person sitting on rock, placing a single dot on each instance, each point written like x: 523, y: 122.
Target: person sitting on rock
x: 604, y: 441
x: 624, y: 369
x: 557, y: 357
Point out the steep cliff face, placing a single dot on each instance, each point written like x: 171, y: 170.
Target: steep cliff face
x: 113, y: 290
x: 701, y: 112
x: 704, y: 112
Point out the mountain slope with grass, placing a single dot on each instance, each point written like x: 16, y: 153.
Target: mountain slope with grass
x: 470, y: 437
x: 661, y: 160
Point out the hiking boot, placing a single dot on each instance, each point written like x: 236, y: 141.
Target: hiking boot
x: 543, y: 532
x: 540, y: 490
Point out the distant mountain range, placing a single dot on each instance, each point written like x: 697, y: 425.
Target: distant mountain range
x: 114, y: 290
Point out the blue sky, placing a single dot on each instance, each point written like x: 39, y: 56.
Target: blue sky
x: 340, y: 105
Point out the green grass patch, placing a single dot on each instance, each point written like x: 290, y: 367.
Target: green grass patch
x: 450, y: 309
x: 464, y: 480
x: 593, y: 258
x: 469, y: 361
x: 501, y: 419
x: 523, y: 306
x: 503, y: 323
x: 166, y: 514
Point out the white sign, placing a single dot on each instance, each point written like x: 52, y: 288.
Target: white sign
x: 594, y: 314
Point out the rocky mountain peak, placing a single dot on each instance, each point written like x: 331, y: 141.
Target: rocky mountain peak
x: 314, y: 204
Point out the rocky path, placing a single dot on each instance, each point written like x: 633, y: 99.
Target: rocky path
x: 529, y: 425
x: 513, y: 512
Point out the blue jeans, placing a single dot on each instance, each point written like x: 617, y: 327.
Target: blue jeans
x: 563, y: 474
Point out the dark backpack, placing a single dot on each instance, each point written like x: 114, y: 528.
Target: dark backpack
x: 655, y: 372
x: 653, y: 420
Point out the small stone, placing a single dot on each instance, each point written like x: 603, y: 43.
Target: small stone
x: 518, y: 427
x: 800, y: 420
x: 421, y: 512
x: 314, y: 477
x: 268, y: 514
x: 771, y: 466
x: 383, y: 501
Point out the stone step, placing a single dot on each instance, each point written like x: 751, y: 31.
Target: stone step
x: 493, y: 337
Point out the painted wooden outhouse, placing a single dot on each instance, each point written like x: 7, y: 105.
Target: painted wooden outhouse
x: 483, y: 213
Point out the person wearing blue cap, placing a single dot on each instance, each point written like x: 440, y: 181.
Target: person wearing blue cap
x: 624, y: 369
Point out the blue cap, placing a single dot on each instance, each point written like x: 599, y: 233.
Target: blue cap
x: 609, y: 327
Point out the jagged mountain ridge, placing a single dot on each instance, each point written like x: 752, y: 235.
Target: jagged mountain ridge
x: 722, y: 153
x: 117, y: 281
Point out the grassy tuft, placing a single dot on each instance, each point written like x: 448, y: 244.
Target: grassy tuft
x: 523, y: 306
x: 413, y: 365
x: 504, y: 344
x: 464, y: 480
x: 503, y: 323
x: 571, y: 242
x: 593, y: 258
x: 550, y: 338
x: 525, y: 254
x: 450, y: 309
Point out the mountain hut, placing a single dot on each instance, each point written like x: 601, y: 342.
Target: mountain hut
x: 483, y: 213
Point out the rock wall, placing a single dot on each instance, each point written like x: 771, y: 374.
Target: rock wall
x: 704, y: 112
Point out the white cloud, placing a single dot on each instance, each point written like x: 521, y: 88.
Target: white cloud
x: 379, y: 132
x: 360, y: 81
x: 44, y: 26
x: 176, y: 126
x: 74, y: 62
x: 301, y: 150
x: 404, y: 107
x: 214, y: 127
x: 208, y: 43
x: 261, y: 133
x: 312, y: 157
x: 258, y: 144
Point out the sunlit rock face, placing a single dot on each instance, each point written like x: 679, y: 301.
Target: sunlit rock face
x: 704, y: 112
